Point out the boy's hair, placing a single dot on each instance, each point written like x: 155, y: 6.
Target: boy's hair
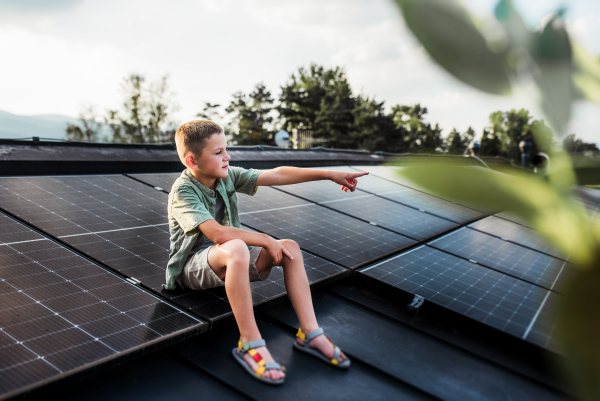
x: 192, y: 136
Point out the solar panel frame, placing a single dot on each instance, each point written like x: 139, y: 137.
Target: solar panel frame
x: 39, y: 343
x: 493, y: 298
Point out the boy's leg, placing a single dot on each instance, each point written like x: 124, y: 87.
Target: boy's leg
x: 298, y: 289
x: 231, y: 260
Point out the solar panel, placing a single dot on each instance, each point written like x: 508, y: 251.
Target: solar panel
x: 60, y: 312
x: 329, y: 234
x: 138, y: 249
x: 161, y: 180
x: 498, y: 300
x: 373, y: 209
x: 516, y: 233
x: 523, y: 263
x: 418, y: 198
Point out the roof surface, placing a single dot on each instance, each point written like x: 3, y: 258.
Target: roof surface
x: 484, y: 330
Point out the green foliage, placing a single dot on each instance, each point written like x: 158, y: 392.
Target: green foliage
x: 449, y: 35
x: 543, y: 203
x: 374, y: 129
x: 418, y: 135
x: 456, y: 144
x: 145, y: 114
x: 251, y: 117
x: 508, y: 129
x: 89, y: 129
x: 572, y: 144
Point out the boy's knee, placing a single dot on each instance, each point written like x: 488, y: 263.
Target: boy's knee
x: 291, y: 246
x: 238, y: 251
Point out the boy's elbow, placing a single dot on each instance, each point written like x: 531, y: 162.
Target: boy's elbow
x: 220, y: 236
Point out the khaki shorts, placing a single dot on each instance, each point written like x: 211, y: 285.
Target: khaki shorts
x: 198, y: 275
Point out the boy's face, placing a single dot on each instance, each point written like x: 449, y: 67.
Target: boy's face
x: 214, y: 160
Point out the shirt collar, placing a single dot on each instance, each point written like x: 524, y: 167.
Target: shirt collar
x: 206, y: 191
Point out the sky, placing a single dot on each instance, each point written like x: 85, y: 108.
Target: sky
x: 58, y: 56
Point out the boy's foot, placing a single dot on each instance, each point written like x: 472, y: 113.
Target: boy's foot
x: 273, y: 374
x: 322, y: 344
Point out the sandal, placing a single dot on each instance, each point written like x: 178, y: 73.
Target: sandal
x: 335, y: 361
x: 249, y: 347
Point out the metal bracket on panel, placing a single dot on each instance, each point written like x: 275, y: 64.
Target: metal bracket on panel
x: 158, y: 188
x: 133, y: 281
x: 473, y: 261
x: 421, y: 210
x: 503, y: 239
x: 415, y: 305
x: 372, y: 223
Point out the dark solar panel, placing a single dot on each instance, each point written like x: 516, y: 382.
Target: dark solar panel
x: 140, y: 251
x: 515, y: 233
x: 161, y: 180
x: 329, y: 234
x: 542, y: 328
x: 267, y: 198
x: 414, y: 198
x: 493, y: 298
x: 373, y: 209
x: 520, y: 262
x: 59, y: 312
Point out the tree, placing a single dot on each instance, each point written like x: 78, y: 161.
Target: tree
x: 321, y: 100
x: 455, y: 143
x: 373, y: 129
x: 572, y: 144
x: 146, y: 111
x: 418, y: 136
x: 251, y: 119
x: 508, y: 129
x: 89, y: 129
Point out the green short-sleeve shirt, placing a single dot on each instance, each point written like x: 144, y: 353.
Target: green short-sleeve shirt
x: 191, y: 204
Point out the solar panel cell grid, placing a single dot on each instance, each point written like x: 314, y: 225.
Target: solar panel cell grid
x: 520, y: 262
x: 515, y: 233
x: 485, y: 295
x: 52, y: 322
x: 328, y: 234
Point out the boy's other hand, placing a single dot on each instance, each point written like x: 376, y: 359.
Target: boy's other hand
x: 277, y: 252
x: 348, y: 181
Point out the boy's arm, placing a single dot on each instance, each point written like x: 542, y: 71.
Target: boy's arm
x: 220, y: 234
x: 295, y: 175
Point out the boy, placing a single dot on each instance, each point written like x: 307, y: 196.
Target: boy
x: 208, y: 248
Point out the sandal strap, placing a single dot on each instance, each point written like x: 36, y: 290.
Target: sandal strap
x: 246, y: 346
x: 336, y: 355
x: 307, y: 337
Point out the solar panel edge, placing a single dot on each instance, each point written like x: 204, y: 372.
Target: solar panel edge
x: 526, y: 336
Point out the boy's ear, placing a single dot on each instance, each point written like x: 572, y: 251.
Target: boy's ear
x: 190, y: 161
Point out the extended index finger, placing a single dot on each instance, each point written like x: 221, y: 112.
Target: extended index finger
x: 356, y: 175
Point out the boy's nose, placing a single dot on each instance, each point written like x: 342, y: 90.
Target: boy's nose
x: 227, y: 157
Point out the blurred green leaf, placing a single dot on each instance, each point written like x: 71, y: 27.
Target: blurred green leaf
x: 534, y: 200
x: 553, y: 56
x: 449, y: 35
x: 586, y: 171
x: 586, y: 75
